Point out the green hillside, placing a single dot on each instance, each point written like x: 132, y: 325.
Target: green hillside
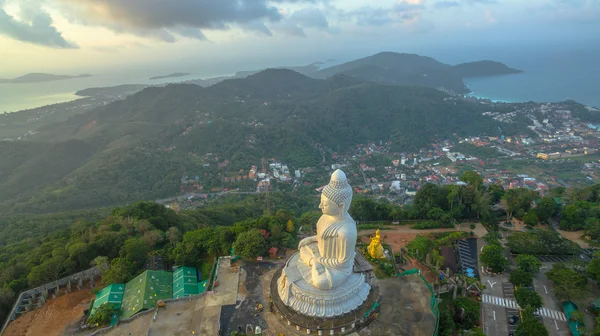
x: 140, y: 147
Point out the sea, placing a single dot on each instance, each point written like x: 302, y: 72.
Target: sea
x: 549, y: 75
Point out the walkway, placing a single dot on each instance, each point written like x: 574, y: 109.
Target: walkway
x: 509, y: 303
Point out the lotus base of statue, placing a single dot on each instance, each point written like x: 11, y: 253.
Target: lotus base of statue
x: 296, y: 291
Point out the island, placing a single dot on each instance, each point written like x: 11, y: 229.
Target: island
x: 483, y: 69
x: 175, y: 74
x: 39, y: 77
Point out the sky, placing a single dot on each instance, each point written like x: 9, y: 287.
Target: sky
x: 219, y: 36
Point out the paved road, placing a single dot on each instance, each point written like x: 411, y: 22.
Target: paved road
x: 494, y: 317
x: 543, y: 286
x: 509, y: 292
x: 512, y: 304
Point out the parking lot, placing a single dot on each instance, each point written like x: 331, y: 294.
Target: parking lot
x: 467, y: 255
x: 555, y: 258
x: 509, y: 292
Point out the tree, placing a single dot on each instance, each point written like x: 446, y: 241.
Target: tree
x: 121, y: 270
x: 7, y: 297
x: 435, y: 214
x: 492, y: 237
x: 153, y: 238
x: 173, y: 235
x: 593, y: 269
x: 476, y: 332
x: 573, y: 216
x: 50, y: 270
x: 142, y: 226
x: 419, y: 247
x: 446, y: 325
x: 528, y: 263
x: 519, y: 277
x: 528, y: 298
x: 309, y: 219
x: 493, y: 257
x: 135, y: 251
x: 289, y: 226
x: 472, y: 311
x: 546, y: 209
x: 530, y: 326
x: 79, y: 252
x: 568, y: 284
x: 99, y: 261
x: 472, y: 178
x: 496, y: 192
x: 249, y: 244
x: 102, y: 315
x: 530, y: 218
x: 517, y: 200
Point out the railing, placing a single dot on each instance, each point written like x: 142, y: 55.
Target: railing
x: 83, y: 275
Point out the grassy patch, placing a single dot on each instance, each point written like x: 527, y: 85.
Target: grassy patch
x: 379, y: 272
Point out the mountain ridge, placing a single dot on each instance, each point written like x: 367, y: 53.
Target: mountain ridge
x: 39, y: 77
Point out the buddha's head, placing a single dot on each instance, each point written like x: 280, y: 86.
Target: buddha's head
x: 336, y: 196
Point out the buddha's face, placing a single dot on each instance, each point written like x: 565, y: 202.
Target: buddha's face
x: 329, y: 207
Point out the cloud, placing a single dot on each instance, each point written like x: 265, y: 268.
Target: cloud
x: 489, y: 16
x: 446, y: 4
x: 164, y: 19
x: 402, y: 11
x: 258, y: 27
x: 306, y: 18
x: 370, y: 16
x: 34, y: 26
x: 310, y: 18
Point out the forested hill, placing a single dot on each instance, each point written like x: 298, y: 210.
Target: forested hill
x: 139, y: 147
x: 483, y: 68
x: 400, y: 69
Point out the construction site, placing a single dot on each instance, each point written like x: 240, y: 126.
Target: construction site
x: 159, y: 302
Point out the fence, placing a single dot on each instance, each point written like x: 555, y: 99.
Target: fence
x: 37, y: 297
x: 433, y: 301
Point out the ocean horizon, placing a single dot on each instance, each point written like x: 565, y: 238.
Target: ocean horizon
x: 548, y: 76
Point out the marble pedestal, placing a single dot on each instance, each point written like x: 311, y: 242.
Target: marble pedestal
x: 296, y: 292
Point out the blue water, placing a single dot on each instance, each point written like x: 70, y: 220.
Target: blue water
x: 548, y: 76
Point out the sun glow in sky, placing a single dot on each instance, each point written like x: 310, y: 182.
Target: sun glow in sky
x: 76, y: 36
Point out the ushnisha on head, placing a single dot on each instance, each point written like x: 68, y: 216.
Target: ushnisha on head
x: 337, y: 195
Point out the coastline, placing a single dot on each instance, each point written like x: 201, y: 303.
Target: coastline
x: 39, y: 102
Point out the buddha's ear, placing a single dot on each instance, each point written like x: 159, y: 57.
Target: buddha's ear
x: 342, y: 208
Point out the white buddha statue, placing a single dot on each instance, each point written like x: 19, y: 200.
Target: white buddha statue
x: 318, y: 280
x: 330, y: 253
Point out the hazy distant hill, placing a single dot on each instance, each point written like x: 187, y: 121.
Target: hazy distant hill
x: 40, y: 77
x: 139, y: 147
x: 412, y: 69
x: 175, y: 74
x: 384, y: 68
x: 483, y: 68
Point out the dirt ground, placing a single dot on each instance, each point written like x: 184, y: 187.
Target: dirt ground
x: 53, y: 317
x: 575, y: 236
x: 399, y: 236
x: 405, y: 309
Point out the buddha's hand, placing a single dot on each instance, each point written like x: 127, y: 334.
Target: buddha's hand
x: 307, y: 241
